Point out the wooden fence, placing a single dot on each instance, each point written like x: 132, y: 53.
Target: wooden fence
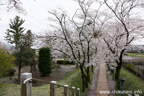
x: 26, y: 86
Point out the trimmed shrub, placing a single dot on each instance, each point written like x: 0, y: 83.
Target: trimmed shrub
x: 65, y: 62
x: 44, y: 61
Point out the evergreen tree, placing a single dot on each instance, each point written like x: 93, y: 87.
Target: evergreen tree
x: 29, y: 38
x: 23, y: 42
x: 14, y: 35
x: 15, y: 31
x: 44, y: 61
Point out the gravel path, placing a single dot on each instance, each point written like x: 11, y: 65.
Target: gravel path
x: 102, y: 81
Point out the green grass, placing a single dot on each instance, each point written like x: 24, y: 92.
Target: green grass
x: 9, y: 89
x: 132, y: 83
x: 130, y: 66
x: 74, y: 79
x: 136, y: 54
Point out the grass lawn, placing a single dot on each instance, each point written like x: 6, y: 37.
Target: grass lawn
x: 136, y: 54
x: 74, y: 79
x: 132, y: 83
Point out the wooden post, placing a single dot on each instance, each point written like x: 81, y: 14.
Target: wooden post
x: 65, y: 90
x: 26, y: 88
x: 78, y: 92
x: 73, y: 91
x: 53, y: 88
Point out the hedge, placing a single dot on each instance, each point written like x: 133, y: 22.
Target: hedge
x: 65, y: 62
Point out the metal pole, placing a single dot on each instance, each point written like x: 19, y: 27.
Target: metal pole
x: 122, y: 84
x: 122, y: 89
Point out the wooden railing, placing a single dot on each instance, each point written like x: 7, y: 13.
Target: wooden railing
x: 26, y: 86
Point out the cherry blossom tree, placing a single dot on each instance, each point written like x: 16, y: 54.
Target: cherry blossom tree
x: 77, y: 37
x: 122, y: 30
x: 13, y: 5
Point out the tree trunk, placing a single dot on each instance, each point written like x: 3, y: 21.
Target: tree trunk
x: 117, y: 75
x: 19, y: 72
x: 83, y: 78
x: 92, y: 68
x: 31, y: 67
x: 118, y: 69
x: 86, y: 82
x: 20, y: 66
x: 88, y: 74
x: 34, y: 70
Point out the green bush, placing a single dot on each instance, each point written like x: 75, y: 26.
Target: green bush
x: 44, y: 61
x: 65, y: 62
x: 11, y: 71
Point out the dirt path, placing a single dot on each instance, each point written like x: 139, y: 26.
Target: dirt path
x: 102, y: 84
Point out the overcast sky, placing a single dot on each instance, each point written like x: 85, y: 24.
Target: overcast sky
x: 37, y: 14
